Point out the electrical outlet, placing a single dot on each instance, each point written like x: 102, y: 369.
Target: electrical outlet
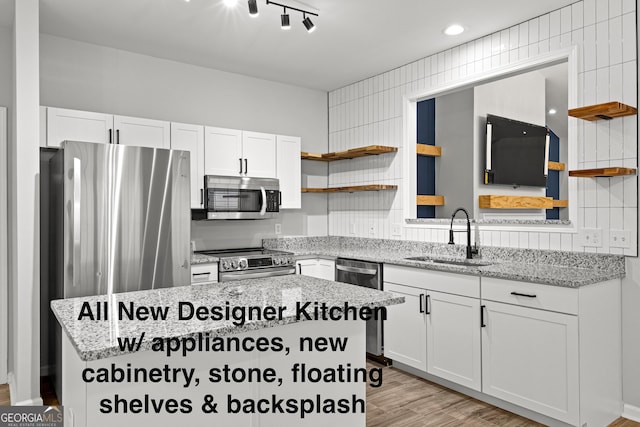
x: 372, y: 230
x: 352, y: 228
x: 396, y: 230
x: 591, y: 237
x: 620, y: 239
x: 278, y: 228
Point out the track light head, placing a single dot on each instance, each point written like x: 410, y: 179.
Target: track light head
x: 284, y: 20
x: 253, y: 8
x: 310, y: 26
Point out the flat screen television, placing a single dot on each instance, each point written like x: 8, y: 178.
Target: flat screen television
x: 517, y: 153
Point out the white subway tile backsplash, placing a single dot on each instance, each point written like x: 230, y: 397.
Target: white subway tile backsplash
x: 602, y: 10
x: 615, y: 8
x: 370, y: 112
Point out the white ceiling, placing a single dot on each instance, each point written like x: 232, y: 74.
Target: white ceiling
x: 355, y: 39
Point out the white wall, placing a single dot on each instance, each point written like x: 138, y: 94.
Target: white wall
x: 95, y: 78
x: 605, y: 32
x: 23, y: 219
x: 6, y: 67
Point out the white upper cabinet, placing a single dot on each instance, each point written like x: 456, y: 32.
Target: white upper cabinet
x: 259, y: 154
x: 223, y: 151
x: 142, y: 132
x: 73, y: 125
x: 191, y: 138
x: 288, y: 170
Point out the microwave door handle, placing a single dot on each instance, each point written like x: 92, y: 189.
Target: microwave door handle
x: 263, y: 210
x: 77, y: 188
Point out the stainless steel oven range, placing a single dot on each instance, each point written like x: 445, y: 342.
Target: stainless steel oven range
x: 248, y: 263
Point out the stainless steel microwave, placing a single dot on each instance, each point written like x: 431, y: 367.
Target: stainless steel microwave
x: 235, y: 197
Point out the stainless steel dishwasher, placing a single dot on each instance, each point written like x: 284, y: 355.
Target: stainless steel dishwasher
x: 369, y: 275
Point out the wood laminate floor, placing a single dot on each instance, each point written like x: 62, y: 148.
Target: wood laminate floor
x: 404, y: 400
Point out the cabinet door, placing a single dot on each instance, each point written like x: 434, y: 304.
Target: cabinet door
x: 326, y: 269
x: 259, y: 154
x: 405, y: 330
x: 74, y: 125
x: 288, y: 171
x: 191, y: 138
x: 453, y: 338
x: 307, y: 267
x: 530, y: 358
x: 223, y: 151
x: 142, y: 132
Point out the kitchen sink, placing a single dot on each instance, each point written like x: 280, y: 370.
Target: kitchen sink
x: 459, y: 262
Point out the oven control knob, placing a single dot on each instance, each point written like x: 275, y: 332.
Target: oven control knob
x: 243, y: 264
x: 234, y: 264
x: 225, y: 265
x: 289, y: 261
x: 276, y: 261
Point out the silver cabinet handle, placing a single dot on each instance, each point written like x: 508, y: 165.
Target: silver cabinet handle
x: 76, y: 240
x: 263, y: 209
x: 369, y: 271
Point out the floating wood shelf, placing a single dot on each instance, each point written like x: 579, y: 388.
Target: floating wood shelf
x: 490, y: 201
x: 556, y: 166
x: 428, y: 150
x: 602, y: 172
x: 560, y: 203
x: 370, y: 150
x: 430, y: 200
x: 606, y: 111
x: 372, y: 187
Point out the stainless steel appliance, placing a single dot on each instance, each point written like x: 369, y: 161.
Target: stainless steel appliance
x: 236, y: 197
x: 117, y: 220
x: 236, y: 264
x: 369, y: 275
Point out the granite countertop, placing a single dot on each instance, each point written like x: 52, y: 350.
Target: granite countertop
x: 557, y: 268
x: 98, y: 339
x: 556, y: 275
x: 197, y: 258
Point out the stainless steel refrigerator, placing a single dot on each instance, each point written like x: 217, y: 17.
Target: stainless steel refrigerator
x: 117, y: 219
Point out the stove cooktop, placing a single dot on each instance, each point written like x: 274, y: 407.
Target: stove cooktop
x: 243, y: 252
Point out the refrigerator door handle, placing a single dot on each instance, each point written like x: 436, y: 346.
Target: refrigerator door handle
x: 77, y: 188
x: 263, y: 209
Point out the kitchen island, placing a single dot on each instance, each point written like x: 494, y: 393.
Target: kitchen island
x: 286, y: 351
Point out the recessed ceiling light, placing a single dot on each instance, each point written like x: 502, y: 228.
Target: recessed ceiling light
x: 552, y: 111
x: 454, y: 30
x: 230, y: 3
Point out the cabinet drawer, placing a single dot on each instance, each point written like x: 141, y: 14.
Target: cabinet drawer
x: 204, y: 273
x: 544, y: 297
x: 452, y: 283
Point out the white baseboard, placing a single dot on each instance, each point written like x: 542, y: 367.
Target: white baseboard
x: 35, y: 401
x: 631, y: 412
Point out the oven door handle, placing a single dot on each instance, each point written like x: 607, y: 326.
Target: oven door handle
x: 263, y: 209
x: 368, y: 271
x: 225, y: 277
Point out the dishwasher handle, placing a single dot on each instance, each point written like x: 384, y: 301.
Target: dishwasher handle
x: 368, y: 271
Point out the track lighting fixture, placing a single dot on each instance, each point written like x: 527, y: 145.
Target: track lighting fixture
x: 308, y: 24
x: 253, y: 8
x: 285, y: 22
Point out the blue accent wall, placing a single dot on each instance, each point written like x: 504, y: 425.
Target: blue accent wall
x: 553, y: 177
x: 426, y: 166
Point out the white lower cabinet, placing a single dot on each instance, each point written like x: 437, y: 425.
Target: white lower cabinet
x: 551, y: 353
x: 319, y: 268
x: 453, y: 338
x: 405, y: 330
x: 530, y: 358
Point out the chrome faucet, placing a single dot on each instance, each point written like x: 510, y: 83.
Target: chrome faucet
x: 470, y: 251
